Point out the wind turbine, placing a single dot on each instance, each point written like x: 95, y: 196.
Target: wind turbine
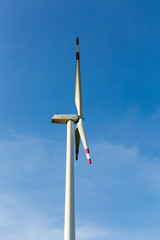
x: 71, y: 120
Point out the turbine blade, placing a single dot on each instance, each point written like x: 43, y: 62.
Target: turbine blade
x: 77, y: 141
x: 82, y: 134
x: 78, y: 93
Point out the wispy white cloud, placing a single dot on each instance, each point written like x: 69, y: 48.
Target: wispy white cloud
x: 133, y: 128
x: 116, y: 158
x: 19, y: 221
x: 31, y: 190
x: 121, y: 183
x: 24, y: 155
x: 92, y: 233
x: 122, y: 189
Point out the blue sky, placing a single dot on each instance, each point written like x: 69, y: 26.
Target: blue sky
x: 118, y: 196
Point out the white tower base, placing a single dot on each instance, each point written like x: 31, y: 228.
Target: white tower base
x: 69, y: 224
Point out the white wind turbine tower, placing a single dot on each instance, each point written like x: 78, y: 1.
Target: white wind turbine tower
x: 70, y: 120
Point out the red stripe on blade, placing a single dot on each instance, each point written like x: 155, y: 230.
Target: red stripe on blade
x: 77, y: 55
x: 89, y: 161
x: 87, y: 150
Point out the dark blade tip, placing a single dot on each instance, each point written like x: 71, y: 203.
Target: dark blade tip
x: 77, y: 41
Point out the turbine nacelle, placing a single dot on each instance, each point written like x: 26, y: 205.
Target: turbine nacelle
x: 64, y: 118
